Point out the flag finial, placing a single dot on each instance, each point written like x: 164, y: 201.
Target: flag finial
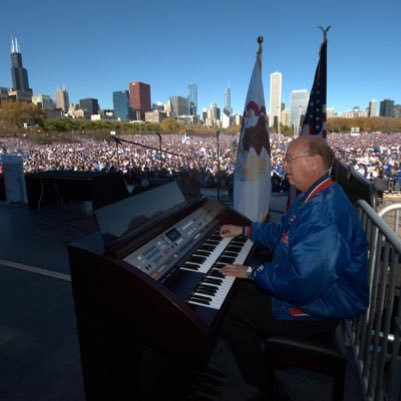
x: 324, y: 31
x: 260, y: 41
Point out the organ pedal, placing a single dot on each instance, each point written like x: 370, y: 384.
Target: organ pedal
x: 189, y: 383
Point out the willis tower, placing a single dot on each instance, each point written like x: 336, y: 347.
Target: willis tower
x: 18, y: 73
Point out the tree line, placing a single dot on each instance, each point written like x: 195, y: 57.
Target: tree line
x: 20, y: 117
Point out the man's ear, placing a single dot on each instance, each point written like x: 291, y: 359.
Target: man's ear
x: 316, y: 161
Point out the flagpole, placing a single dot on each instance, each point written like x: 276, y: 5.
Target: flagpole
x: 314, y: 121
x: 324, y: 31
x: 218, y: 164
x: 260, y: 41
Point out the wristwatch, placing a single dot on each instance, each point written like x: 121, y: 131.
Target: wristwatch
x: 249, y: 272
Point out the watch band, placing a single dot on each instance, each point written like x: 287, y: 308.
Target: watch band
x: 249, y: 272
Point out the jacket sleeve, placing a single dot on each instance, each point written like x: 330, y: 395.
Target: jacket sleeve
x: 305, y: 268
x: 266, y: 235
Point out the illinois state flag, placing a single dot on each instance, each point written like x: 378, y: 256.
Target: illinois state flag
x: 252, y: 178
x: 315, y: 121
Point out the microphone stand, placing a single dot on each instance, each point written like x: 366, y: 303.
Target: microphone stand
x: 3, y: 147
x: 218, y: 164
x: 120, y: 140
x: 160, y: 146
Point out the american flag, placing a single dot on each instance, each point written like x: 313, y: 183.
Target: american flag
x: 315, y: 121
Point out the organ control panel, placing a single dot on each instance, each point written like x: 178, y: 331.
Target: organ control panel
x: 158, y: 256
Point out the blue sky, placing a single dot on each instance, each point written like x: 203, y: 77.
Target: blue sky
x: 95, y: 48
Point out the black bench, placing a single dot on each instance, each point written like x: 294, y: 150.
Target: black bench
x: 324, y: 354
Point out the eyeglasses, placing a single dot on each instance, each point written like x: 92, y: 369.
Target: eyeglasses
x: 288, y: 159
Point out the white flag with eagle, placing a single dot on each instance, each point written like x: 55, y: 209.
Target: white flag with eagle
x: 252, y: 178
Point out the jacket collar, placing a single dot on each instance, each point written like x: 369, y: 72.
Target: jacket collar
x: 319, y: 185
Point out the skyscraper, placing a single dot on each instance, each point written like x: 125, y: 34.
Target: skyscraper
x: 227, y: 98
x: 330, y: 112
x: 89, y: 106
x: 179, y: 105
x: 372, y: 108
x: 387, y: 108
x: 62, y: 100
x: 19, y: 74
x: 121, y: 105
x: 298, y: 105
x: 193, y: 99
x: 139, y: 97
x: 275, y: 99
x: 3, y: 94
x: 44, y: 102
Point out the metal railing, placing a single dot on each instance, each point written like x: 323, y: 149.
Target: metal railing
x: 391, y: 214
x: 375, y: 336
x: 354, y: 185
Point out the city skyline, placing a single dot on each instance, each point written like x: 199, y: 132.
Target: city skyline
x: 78, y: 52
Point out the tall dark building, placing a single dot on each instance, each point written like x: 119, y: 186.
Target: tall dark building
x: 121, y: 105
x: 193, y: 99
x: 89, y: 106
x: 387, y: 108
x: 19, y: 74
x: 139, y: 95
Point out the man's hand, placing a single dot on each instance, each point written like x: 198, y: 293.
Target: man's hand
x: 235, y: 270
x: 229, y: 230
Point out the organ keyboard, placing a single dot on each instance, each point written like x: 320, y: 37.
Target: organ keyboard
x: 214, y: 287
x: 158, y: 285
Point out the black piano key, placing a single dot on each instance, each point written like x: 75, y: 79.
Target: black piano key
x: 201, y: 252
x: 230, y: 253
x: 208, y: 286
x: 208, y: 247
x: 189, y: 262
x: 201, y: 297
x: 191, y: 266
x: 227, y: 259
x: 197, y: 259
x: 201, y: 301
x: 212, y: 242
x: 213, y: 280
x: 238, y: 241
x: 204, y: 291
x: 233, y: 248
x: 216, y: 273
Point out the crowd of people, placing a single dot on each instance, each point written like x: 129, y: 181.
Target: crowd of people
x: 373, y: 155
x: 210, y: 160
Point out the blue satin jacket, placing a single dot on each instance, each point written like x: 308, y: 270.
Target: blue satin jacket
x: 319, y: 268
